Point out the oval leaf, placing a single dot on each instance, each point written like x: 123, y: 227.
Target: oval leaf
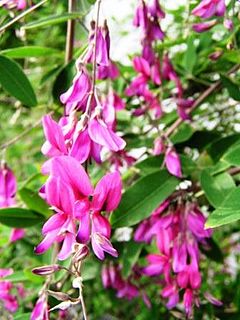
x: 15, y: 82
x: 142, y: 198
x: 34, y: 202
x: 228, y: 212
x: 28, y: 52
x: 19, y: 217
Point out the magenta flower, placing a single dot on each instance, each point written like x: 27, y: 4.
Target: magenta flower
x: 170, y: 292
x: 208, y: 8
x: 102, y: 45
x: 40, y: 311
x: 8, y: 187
x: 173, y: 163
x: 108, y: 72
x: 115, y: 101
x: 102, y: 134
x: 141, y: 16
x: 76, y: 96
x: 204, y: 26
x: 6, y: 291
x: 156, y: 10
x: 106, y: 197
x: 10, y: 4
x: 16, y: 234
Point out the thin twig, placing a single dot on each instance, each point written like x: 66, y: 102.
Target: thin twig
x: 70, y: 33
x: 22, y: 134
x: 21, y: 15
x: 197, y: 102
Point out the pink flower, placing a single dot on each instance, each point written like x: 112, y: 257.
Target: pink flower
x: 106, y: 197
x: 16, y: 234
x: 101, y: 134
x: 40, y: 311
x: 158, y: 146
x: 8, y: 187
x: 173, y: 163
x: 102, y: 45
x: 204, y: 26
x: 141, y: 16
x: 170, y: 291
x: 76, y: 96
x: 208, y: 8
x: 228, y: 24
x: 108, y: 72
x: 156, y: 10
x: 188, y: 301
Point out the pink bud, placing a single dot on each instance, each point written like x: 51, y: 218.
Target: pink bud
x: 173, y: 164
x: 228, y: 24
x: 158, y: 146
x: 46, y: 270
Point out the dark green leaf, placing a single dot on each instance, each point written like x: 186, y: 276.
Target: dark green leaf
x: 217, y: 187
x: 233, y: 155
x: 184, y: 133
x: 220, y: 146
x: 227, y: 212
x: 150, y: 165
x: 232, y: 87
x: 64, y: 80
x: 142, y: 198
x: 34, y: 202
x: 19, y: 217
x: 15, y: 82
x: 130, y: 256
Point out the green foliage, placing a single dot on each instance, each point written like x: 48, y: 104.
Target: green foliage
x: 19, y: 217
x: 142, y: 198
x: 15, y: 82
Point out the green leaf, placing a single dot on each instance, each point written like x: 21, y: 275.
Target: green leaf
x: 34, y: 202
x: 130, y: 256
x: 217, y: 187
x: 90, y: 270
x: 150, y: 165
x: 190, y: 56
x: 52, y: 20
x: 63, y: 80
x: 19, y: 217
x: 233, y: 155
x: 28, y: 52
x: 212, y: 250
x: 220, y: 146
x: 184, y: 133
x: 228, y: 212
x: 15, y: 82
x: 142, y: 198
x: 232, y: 87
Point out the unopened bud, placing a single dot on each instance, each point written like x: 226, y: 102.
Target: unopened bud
x: 46, y: 270
x: 81, y: 252
x: 61, y: 296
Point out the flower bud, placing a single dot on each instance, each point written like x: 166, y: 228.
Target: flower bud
x: 46, y: 270
x: 228, y: 24
x: 158, y: 146
x: 62, y: 306
x: 81, y: 252
x: 61, y: 296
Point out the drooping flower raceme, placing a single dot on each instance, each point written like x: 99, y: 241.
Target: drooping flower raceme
x: 178, y: 234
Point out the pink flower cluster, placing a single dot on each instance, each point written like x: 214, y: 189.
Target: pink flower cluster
x: 209, y: 9
x: 68, y: 190
x: 71, y: 142
x: 84, y: 138
x: 126, y: 288
x: 8, y: 189
x: 12, y: 4
x: 151, y: 70
x: 8, y: 291
x: 178, y: 232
